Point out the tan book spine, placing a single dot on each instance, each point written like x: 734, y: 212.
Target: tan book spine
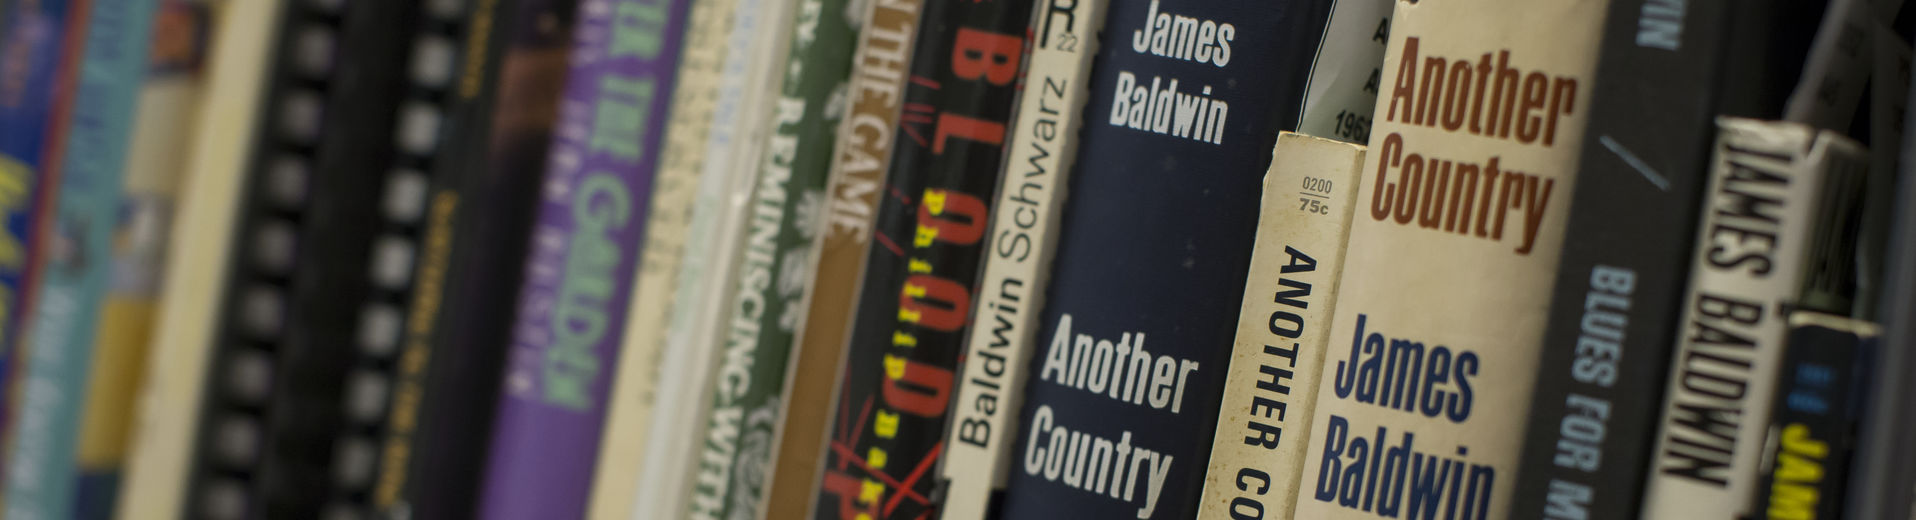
x: 1453, y: 253
x: 635, y: 389
x: 1755, y: 242
x: 864, y: 146
x: 162, y: 445
x: 1270, y: 390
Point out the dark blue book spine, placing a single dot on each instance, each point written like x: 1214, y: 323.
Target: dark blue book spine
x: 1186, y: 102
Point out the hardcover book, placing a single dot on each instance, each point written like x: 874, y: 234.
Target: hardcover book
x: 1122, y: 397
x: 1283, y: 330
x: 641, y: 366
x: 459, y: 53
x: 1881, y: 484
x: 583, y: 253
x: 906, y: 337
x: 772, y: 277
x: 1447, y: 277
x: 838, y: 253
x: 1020, y: 245
x: 1771, y: 180
x: 163, y: 448
x: 43, y: 471
x: 480, y: 215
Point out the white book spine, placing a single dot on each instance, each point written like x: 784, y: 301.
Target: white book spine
x: 1270, y: 390
x: 739, y: 123
x: 1023, y: 238
x: 1766, y: 190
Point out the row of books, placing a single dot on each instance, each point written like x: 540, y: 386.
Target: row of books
x: 782, y: 259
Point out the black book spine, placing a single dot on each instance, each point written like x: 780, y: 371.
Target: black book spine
x: 497, y: 184
x: 277, y: 401
x: 1154, y: 246
x: 908, y: 331
x: 468, y: 44
x: 1813, y: 419
x: 1667, y: 70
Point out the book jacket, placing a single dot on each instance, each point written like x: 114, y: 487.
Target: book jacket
x: 1187, y: 100
x: 1021, y: 244
x: 914, y: 306
x: 1452, y: 255
x: 773, y: 275
x: 583, y: 253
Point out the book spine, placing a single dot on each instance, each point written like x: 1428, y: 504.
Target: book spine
x: 772, y: 277
x: 1813, y: 417
x: 1447, y: 277
x: 164, y: 448
x: 1347, y: 73
x: 838, y: 254
x: 584, y: 252
x: 1766, y: 179
x: 1633, y: 210
x: 694, y: 342
x: 462, y: 48
x: 113, y: 63
x: 921, y: 272
x: 1022, y: 240
x: 162, y: 132
x: 1270, y: 389
x: 1137, y: 325
x: 498, y: 179
x: 642, y: 361
x: 42, y: 41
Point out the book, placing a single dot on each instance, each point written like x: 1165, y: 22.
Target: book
x: 838, y: 255
x: 635, y: 386
x: 1347, y: 72
x: 42, y: 43
x: 455, y: 72
x: 1135, y: 335
x: 162, y: 134
x: 1270, y: 388
x: 492, y: 174
x: 907, y: 332
x: 772, y: 277
x: 1812, y: 426
x: 1660, y: 83
x: 295, y: 387
x: 163, y: 443
x: 1770, y: 180
x: 742, y: 120
x: 44, y: 466
x: 582, y: 258
x: 1447, y: 277
x: 1020, y: 245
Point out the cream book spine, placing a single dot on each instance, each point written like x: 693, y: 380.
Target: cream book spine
x: 741, y: 118
x: 1768, y: 184
x: 1270, y: 389
x: 162, y: 439
x: 667, y: 225
x: 1452, y: 256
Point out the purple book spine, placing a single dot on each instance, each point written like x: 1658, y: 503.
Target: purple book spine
x: 584, y: 251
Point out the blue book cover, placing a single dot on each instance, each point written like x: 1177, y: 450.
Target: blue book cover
x: 1187, y: 99
x: 44, y: 470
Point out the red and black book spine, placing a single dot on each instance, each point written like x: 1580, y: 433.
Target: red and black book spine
x: 915, y: 303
